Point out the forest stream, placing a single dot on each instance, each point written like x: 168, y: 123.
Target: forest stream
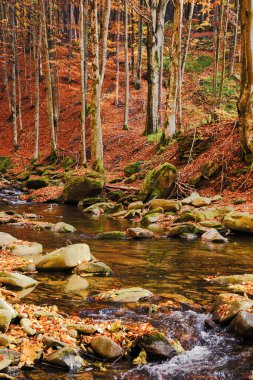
x: 161, y: 266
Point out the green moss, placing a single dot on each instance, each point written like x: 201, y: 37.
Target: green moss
x: 155, y: 337
x: 198, y: 64
x: 4, y: 163
x: 37, y: 183
x: 112, y: 235
x: 67, y: 162
x: 132, y: 168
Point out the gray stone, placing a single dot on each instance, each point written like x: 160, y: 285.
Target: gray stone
x: 112, y: 235
x: 157, y: 345
x: 93, y: 268
x: 25, y: 248
x: 63, y: 227
x: 6, y: 239
x: 5, y: 320
x: 139, y: 233
x: 179, y: 229
x: 242, y: 325
x: 166, y: 204
x: 228, y: 305
x: 26, y: 325
x: 106, y: 347
x: 67, y: 358
x: 125, y: 295
x: 213, y: 235
x: 6, y: 306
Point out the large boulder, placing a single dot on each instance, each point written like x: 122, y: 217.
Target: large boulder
x: 132, y: 168
x: 63, y: 227
x: 184, y: 228
x: 65, y: 258
x: 22, y: 248
x: 106, y: 347
x: 77, y: 187
x: 99, y: 208
x: 242, y: 325
x: 139, y: 233
x: 37, y: 183
x: 166, y: 204
x: 213, y: 235
x: 112, y: 235
x: 239, y: 221
x: 158, y: 182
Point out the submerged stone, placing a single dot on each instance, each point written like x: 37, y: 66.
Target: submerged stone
x: 139, y: 233
x: 125, y: 295
x: 63, y: 227
x: 17, y: 280
x: 213, y: 235
x: 93, y: 268
x: 112, y: 235
x: 242, y: 325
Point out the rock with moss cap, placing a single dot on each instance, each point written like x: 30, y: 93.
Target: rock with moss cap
x: 184, y: 228
x: 166, y: 204
x: 125, y: 295
x: 239, y: 221
x: 37, y: 183
x: 158, y: 182
x: 156, y: 345
x: 66, y: 358
x: 112, y: 235
x: 132, y: 168
x: 80, y: 186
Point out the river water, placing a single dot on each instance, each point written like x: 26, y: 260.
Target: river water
x: 162, y: 266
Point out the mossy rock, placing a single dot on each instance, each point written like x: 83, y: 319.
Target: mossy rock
x: 4, y: 163
x: 67, y: 162
x: 210, y: 169
x: 156, y: 345
x: 112, y: 235
x: 77, y: 187
x: 37, y: 183
x: 131, y: 179
x: 91, y: 201
x: 132, y: 168
x: 180, y: 229
x: 158, y: 182
x: 239, y: 221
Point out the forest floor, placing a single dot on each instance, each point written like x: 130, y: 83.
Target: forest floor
x: 234, y: 179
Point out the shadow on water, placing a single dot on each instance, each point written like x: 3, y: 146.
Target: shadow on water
x: 162, y: 266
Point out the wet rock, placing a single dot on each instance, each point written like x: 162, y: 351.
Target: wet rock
x: 6, y: 306
x: 93, y: 268
x: 125, y: 295
x: 77, y: 187
x: 177, y: 230
x: 213, y: 224
x: 166, y: 204
x: 213, y: 235
x: 242, y: 325
x: 37, y: 183
x: 158, y: 182
x: 64, y: 258
x: 67, y: 358
x: 188, y: 236
x: 201, y: 201
x: 112, y: 235
x: 239, y: 221
x: 157, y: 345
x: 139, y: 233
x: 75, y: 284
x: 132, y: 214
x: 152, y: 218
x: 138, y: 205
x: 26, y: 325
x: 17, y: 280
x: 106, y: 347
x: 30, y: 216
x: 228, y: 305
x: 6, y: 239
x: 22, y: 248
x: 210, y: 169
x: 54, y: 343
x: 5, y: 319
x: 63, y: 227
x: 90, y: 201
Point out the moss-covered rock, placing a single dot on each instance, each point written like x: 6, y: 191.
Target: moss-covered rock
x: 37, y: 183
x: 112, y: 235
x: 77, y: 187
x: 239, y: 221
x: 4, y: 163
x: 132, y: 168
x: 152, y: 218
x: 166, y: 204
x: 157, y: 345
x: 106, y: 347
x: 210, y: 169
x: 184, y: 228
x: 158, y: 182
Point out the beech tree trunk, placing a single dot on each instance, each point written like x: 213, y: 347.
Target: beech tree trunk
x: 245, y: 103
x: 84, y: 71
x: 126, y: 116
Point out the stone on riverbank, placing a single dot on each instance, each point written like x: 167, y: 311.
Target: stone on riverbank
x: 106, y: 347
x: 239, y: 221
x: 6, y: 239
x: 158, y: 182
x: 125, y: 295
x: 17, y: 280
x: 242, y: 325
x: 67, y: 358
x: 233, y: 279
x: 152, y: 218
x: 65, y: 258
x: 6, y: 306
x: 166, y: 204
x: 77, y: 186
x: 22, y: 248
x: 5, y: 319
x: 184, y: 228
x: 37, y: 183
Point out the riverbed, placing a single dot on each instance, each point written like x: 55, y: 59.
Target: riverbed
x: 161, y: 266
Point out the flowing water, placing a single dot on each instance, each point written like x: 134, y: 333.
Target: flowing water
x: 162, y: 266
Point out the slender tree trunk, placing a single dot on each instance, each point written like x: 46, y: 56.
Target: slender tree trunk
x: 234, y: 39
x: 187, y: 43
x: 223, y: 70
x: 139, y: 62
x: 117, y: 55
x: 37, y: 95
x: 48, y: 83
x: 245, y: 103
x: 84, y: 51
x: 126, y: 116
x: 14, y: 82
